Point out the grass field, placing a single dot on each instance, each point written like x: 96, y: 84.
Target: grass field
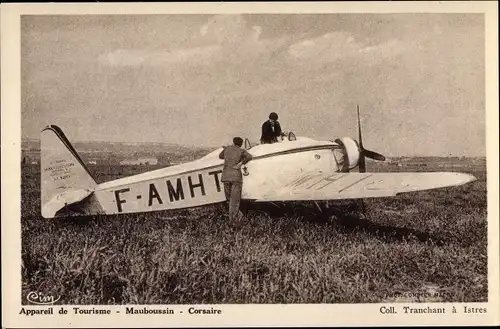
x: 432, y: 243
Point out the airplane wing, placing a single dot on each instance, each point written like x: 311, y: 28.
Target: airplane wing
x: 339, y: 186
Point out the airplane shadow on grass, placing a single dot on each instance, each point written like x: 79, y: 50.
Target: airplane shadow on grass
x: 347, y: 219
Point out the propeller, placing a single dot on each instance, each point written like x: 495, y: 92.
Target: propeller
x: 364, y: 153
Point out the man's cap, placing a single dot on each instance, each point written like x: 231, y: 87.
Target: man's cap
x: 273, y: 116
x: 238, y: 141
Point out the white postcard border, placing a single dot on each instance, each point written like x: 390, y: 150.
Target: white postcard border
x: 233, y: 315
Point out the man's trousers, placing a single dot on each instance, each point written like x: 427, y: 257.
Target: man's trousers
x: 232, y: 190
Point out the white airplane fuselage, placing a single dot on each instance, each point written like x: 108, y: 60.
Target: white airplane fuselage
x: 290, y: 170
x: 199, y: 182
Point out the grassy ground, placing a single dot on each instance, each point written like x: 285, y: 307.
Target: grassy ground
x: 425, y: 242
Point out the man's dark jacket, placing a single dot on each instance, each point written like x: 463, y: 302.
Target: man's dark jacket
x: 268, y: 135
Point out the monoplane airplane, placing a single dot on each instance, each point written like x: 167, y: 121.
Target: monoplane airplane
x: 293, y: 169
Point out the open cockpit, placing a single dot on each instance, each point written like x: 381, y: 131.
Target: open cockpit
x: 285, y: 137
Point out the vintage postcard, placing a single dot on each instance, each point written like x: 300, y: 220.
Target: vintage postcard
x: 249, y: 164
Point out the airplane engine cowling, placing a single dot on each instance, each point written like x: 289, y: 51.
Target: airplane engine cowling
x: 350, y: 150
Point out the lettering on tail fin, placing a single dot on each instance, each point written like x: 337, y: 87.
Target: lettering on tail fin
x: 65, y: 180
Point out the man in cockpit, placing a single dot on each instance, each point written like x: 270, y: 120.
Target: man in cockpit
x: 271, y: 130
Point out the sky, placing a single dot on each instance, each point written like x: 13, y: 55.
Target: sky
x: 203, y: 79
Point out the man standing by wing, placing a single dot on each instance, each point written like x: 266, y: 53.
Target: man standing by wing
x: 234, y: 156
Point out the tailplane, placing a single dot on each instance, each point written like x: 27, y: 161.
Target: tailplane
x: 66, y: 184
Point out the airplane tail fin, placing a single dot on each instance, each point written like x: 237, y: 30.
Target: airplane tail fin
x: 66, y: 184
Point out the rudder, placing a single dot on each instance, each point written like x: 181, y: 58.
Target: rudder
x: 65, y: 180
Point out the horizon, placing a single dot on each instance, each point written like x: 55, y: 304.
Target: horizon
x: 199, y: 80
x: 205, y: 147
